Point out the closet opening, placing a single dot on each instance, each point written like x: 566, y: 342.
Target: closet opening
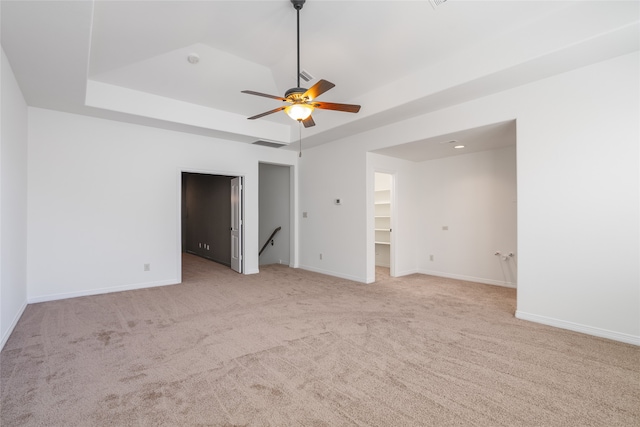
x: 211, y: 218
x: 383, y: 220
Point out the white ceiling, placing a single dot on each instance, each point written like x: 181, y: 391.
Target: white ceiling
x: 127, y: 60
x: 483, y: 138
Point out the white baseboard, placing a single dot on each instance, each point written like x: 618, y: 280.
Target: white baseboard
x: 406, y: 272
x: 14, y: 322
x: 469, y: 278
x: 333, y: 273
x: 412, y: 271
x: 88, y: 292
x: 577, y: 327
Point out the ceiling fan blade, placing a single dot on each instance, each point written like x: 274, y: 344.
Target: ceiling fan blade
x: 318, y: 89
x: 349, y: 108
x: 275, y: 110
x: 251, y: 92
x: 308, y: 122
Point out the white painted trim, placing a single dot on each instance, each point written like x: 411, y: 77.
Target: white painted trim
x: 577, y: 327
x: 407, y: 272
x: 294, y: 223
x: 393, y: 213
x: 333, y: 273
x: 7, y: 334
x: 100, y: 291
x: 470, y: 279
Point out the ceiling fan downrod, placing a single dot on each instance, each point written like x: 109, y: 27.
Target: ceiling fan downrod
x: 297, y: 5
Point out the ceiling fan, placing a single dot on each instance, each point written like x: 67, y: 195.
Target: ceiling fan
x: 302, y: 101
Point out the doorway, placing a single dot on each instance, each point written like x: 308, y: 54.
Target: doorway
x: 212, y: 218
x: 383, y: 216
x: 275, y: 214
x: 455, y: 205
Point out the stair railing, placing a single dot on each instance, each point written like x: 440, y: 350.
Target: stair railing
x: 270, y: 239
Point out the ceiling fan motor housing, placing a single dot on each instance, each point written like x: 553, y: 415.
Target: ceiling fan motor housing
x: 295, y: 93
x: 297, y: 4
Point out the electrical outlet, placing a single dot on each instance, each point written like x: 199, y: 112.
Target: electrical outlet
x: 430, y: 257
x: 445, y: 227
x: 320, y: 257
x: 147, y: 267
x: 305, y: 215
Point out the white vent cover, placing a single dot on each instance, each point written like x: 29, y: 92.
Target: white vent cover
x: 268, y: 144
x: 436, y: 3
x: 304, y: 75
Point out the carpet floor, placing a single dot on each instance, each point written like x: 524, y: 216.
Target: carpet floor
x: 288, y: 347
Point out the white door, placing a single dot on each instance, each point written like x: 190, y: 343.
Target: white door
x: 236, y: 224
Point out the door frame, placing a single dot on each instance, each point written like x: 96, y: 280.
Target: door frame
x: 237, y: 215
x: 179, y: 219
x: 393, y: 220
x: 293, y: 208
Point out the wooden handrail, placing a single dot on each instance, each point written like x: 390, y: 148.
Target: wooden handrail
x: 270, y: 239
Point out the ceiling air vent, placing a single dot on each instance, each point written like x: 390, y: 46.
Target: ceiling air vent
x: 268, y: 144
x: 304, y: 75
x: 436, y: 3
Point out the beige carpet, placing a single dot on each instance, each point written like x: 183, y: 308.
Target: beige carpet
x: 293, y: 348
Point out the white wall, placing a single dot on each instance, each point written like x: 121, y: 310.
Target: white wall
x: 104, y: 199
x: 578, y: 190
x: 274, y: 211
x: 13, y: 202
x: 578, y: 195
x: 474, y: 197
x: 335, y: 231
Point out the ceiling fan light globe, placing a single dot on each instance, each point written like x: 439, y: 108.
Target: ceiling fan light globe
x: 299, y: 112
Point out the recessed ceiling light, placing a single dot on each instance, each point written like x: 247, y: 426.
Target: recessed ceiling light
x: 193, y: 58
x: 459, y: 147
